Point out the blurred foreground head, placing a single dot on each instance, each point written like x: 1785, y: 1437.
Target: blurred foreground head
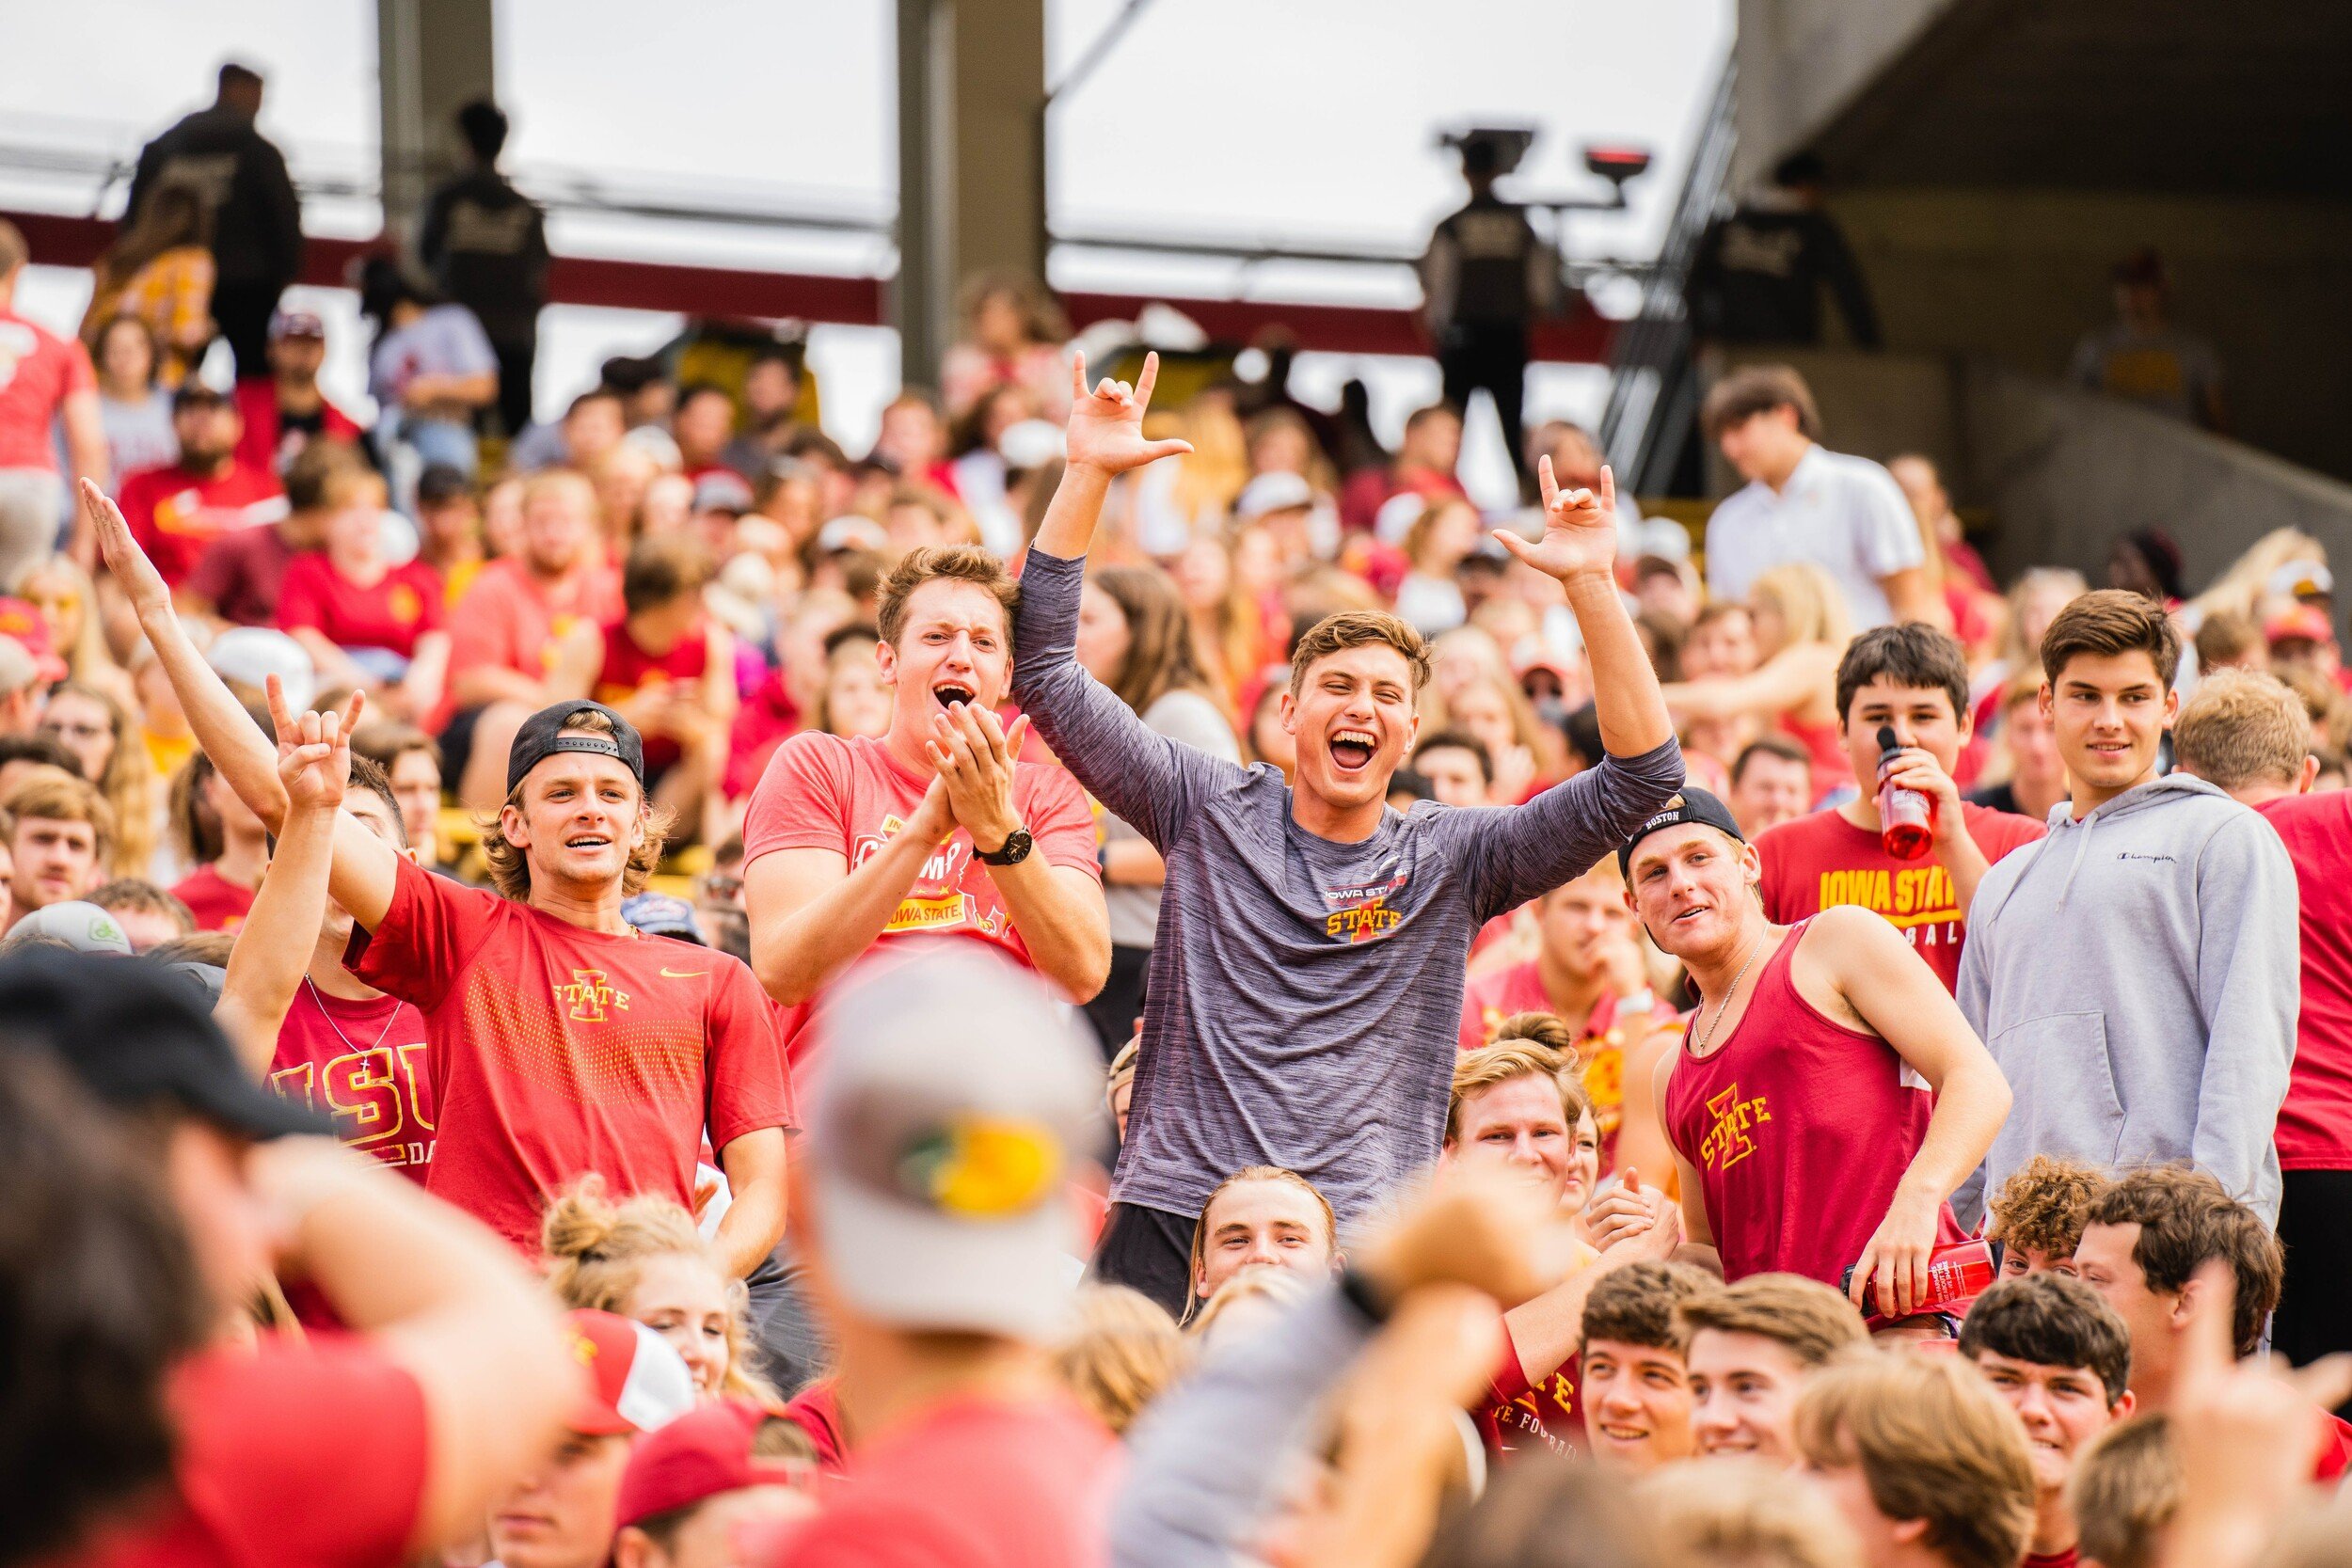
x: 952, y: 1107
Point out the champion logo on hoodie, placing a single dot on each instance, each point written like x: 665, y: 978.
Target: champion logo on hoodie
x: 2128, y: 855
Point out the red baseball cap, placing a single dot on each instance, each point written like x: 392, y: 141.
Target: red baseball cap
x: 701, y: 1454
x: 636, y: 1381
x: 2305, y: 622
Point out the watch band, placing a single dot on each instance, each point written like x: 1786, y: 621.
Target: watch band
x: 1013, y: 852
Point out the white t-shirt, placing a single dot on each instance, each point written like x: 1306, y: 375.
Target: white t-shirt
x: 1845, y: 515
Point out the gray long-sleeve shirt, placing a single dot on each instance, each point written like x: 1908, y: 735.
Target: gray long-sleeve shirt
x: 1304, y: 997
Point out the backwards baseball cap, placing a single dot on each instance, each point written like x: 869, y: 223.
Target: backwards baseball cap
x: 1270, y: 493
x: 2302, y: 580
x: 1690, y: 805
x: 2305, y: 623
x: 136, y: 1033
x: 192, y: 393
x: 662, y: 915
x: 297, y: 323
x: 543, y: 736
x: 636, y: 1381
x: 81, y: 925
x: 722, y: 490
x: 702, y: 1453
x: 952, y: 1109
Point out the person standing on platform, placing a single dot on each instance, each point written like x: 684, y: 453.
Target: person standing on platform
x: 1485, y: 279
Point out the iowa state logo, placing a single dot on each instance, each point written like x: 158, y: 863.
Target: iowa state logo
x: 586, y: 999
x: 1361, y: 912
x: 1727, y: 1142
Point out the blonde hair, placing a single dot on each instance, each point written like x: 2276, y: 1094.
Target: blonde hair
x: 1124, y: 1352
x: 1745, y: 1514
x: 1248, y: 1174
x: 509, y: 867
x: 1258, y: 1282
x: 1519, y: 1049
x: 1934, y: 1442
x: 2240, y: 586
x: 597, y: 1249
x: 128, y: 784
x: 1122, y: 1069
x: 2123, y: 1489
x: 2242, y: 727
x: 49, y: 797
x: 1805, y: 1317
x: 1359, y: 628
x: 957, y: 563
x: 1807, y: 600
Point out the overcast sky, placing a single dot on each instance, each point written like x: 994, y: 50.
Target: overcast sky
x: 1308, y: 120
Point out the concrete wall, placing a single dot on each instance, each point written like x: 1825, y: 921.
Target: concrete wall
x: 2017, y: 277
x: 2065, y: 471
x: 1800, y: 61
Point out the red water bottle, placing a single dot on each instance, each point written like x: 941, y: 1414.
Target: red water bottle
x: 1906, y: 815
x: 1956, y: 1274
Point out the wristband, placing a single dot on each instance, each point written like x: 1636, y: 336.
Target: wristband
x: 1358, y: 1289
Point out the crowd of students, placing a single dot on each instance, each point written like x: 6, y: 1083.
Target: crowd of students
x: 1111, y: 985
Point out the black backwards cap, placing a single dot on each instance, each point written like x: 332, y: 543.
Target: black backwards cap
x: 133, y: 1031
x: 1690, y: 805
x: 542, y: 736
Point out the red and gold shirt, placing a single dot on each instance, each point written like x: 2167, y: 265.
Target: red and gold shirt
x: 363, y: 1062
x: 553, y: 1050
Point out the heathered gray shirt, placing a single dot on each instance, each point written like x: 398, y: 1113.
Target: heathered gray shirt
x: 1304, y: 997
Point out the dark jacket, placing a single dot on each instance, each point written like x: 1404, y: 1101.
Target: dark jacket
x: 485, y: 244
x: 1758, y: 275
x: 257, y: 218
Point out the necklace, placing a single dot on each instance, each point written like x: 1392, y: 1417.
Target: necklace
x: 319, y: 997
x: 1699, y: 1047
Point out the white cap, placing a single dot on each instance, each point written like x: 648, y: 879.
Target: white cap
x: 83, y: 926
x: 1397, y: 516
x: 1275, y: 492
x: 2300, y: 580
x: 250, y: 654
x: 852, y: 532
x: 1031, y: 444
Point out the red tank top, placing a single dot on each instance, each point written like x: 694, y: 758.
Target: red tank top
x: 1800, y: 1128
x: 628, y: 667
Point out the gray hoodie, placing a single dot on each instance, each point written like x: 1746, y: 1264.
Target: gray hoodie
x: 2135, y: 974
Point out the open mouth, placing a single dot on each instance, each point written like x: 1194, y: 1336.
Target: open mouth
x: 1691, y: 913
x: 1624, y: 1433
x: 588, y: 841
x: 1352, y: 750
x: 948, y: 694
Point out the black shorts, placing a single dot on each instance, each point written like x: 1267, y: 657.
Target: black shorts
x: 2314, y: 1316
x: 1147, y: 1250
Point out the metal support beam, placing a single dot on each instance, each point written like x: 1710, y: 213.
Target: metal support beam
x: 432, y: 57
x: 971, y: 160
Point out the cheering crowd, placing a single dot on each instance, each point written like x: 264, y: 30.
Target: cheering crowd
x: 1101, y: 984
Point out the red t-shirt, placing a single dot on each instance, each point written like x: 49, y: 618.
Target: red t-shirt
x: 392, y: 613
x: 266, y: 443
x: 511, y: 619
x: 174, y: 513
x: 306, y: 1454
x: 1800, y: 1128
x: 554, y: 1051
x: 850, y: 795
x: 242, y: 576
x: 1823, y: 859
x: 1490, y: 998
x: 629, y: 669
x: 2315, y: 1123
x: 217, y: 903
x: 38, y: 371
x: 2067, y: 1558
x: 1517, y: 1419
x: 979, y: 1482
x: 363, y: 1062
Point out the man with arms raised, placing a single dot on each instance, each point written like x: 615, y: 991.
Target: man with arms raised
x: 1306, y: 987
x: 1795, y: 1104
x: 936, y: 828
x: 559, y: 1039
x: 2136, y: 971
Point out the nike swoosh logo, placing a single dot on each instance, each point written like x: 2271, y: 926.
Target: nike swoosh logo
x: 683, y: 974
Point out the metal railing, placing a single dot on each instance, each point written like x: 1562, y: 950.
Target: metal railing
x: 1653, y: 387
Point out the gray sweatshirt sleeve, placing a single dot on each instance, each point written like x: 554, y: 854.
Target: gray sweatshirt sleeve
x: 2249, y: 990
x: 1147, y: 780
x: 1206, y: 1465
x: 1521, y: 852
x: 1972, y: 993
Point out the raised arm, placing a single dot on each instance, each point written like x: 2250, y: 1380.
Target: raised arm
x: 1872, y: 970
x: 1784, y: 681
x: 364, y: 867
x: 273, y: 944
x: 1147, y: 779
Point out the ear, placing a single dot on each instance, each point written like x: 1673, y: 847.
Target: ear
x: 1907, y: 1532
x: 1968, y: 724
x: 2171, y: 707
x: 2048, y: 701
x: 1288, y: 713
x: 886, y: 660
x: 2308, y: 777
x: 2124, y: 1406
x: 1412, y: 732
x: 514, y: 828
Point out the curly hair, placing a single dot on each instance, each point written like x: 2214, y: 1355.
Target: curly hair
x: 597, y: 1249
x: 2042, y: 1205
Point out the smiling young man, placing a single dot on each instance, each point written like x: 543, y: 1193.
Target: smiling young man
x: 559, y: 1039
x: 1635, y: 1381
x: 1751, y: 1345
x: 1828, y: 1096
x: 936, y: 828
x: 2062, y: 1360
x: 1305, y: 993
x: 1913, y: 680
x: 2136, y: 972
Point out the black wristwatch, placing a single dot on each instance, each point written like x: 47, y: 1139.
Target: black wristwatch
x: 1013, y: 852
